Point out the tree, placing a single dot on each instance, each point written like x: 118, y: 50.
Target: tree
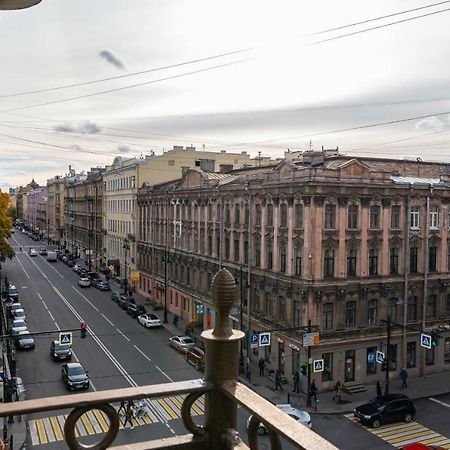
x: 6, y: 250
x: 12, y: 212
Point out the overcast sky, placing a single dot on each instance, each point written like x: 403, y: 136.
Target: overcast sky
x: 282, y: 90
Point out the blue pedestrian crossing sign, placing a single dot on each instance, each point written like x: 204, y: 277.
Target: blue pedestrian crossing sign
x: 318, y: 365
x: 380, y: 357
x: 65, y: 338
x: 425, y: 340
x: 264, y: 339
x: 254, y: 341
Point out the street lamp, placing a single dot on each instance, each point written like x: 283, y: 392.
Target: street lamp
x: 166, y: 260
x: 126, y: 247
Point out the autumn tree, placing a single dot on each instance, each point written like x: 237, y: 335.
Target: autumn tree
x: 6, y: 250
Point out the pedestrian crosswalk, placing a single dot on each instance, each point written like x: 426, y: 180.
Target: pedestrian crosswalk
x: 401, y: 434
x: 51, y: 429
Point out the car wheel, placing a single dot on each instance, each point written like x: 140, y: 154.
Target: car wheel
x: 408, y: 417
x: 262, y: 430
x: 376, y: 423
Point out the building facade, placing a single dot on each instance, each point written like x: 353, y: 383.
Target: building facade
x: 342, y: 242
x: 55, y: 210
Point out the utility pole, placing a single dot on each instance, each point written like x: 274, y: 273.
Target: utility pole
x: 166, y: 256
x: 125, y: 247
x: 241, y: 320
x: 249, y: 274
x: 308, y: 400
x: 388, y: 353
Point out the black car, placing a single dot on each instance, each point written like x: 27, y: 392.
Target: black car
x: 60, y: 352
x: 385, y: 409
x: 74, y: 376
x: 115, y: 296
x: 136, y: 310
x: 125, y: 300
x: 70, y: 263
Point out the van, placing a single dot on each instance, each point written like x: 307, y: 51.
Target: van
x: 51, y: 256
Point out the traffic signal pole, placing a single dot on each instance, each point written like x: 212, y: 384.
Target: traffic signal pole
x: 388, y: 353
x: 308, y: 400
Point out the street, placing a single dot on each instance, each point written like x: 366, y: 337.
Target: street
x: 118, y: 353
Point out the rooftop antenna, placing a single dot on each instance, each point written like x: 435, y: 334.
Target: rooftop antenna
x: 259, y: 158
x: 310, y: 145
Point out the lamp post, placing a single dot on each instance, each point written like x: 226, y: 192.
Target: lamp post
x: 126, y: 247
x: 166, y: 261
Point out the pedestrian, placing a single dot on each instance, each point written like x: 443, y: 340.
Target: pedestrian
x: 404, y: 377
x: 337, y: 391
x: 261, y: 365
x: 128, y: 418
x: 278, y: 378
x: 20, y: 248
x: 313, y: 390
x: 122, y: 407
x: 296, y: 380
x: 379, y: 391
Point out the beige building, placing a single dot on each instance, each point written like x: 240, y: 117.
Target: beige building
x: 343, y: 242
x: 55, y: 210
x: 122, y: 180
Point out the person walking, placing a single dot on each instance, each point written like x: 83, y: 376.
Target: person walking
x: 122, y: 407
x: 404, y: 377
x: 313, y: 390
x: 296, y: 380
x: 278, y: 378
x: 128, y: 417
x: 379, y: 391
x: 337, y: 391
x: 261, y: 365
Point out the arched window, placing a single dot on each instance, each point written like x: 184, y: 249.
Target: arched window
x: 258, y: 215
x: 269, y: 215
x: 352, y: 217
x: 283, y: 215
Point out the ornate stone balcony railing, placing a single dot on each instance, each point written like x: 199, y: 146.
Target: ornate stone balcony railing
x: 223, y: 394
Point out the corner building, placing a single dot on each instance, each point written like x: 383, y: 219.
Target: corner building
x: 344, y: 242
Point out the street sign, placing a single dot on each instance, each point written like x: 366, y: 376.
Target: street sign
x: 370, y: 357
x: 425, y: 340
x: 199, y: 308
x: 65, y: 338
x: 318, y: 365
x: 380, y: 357
x: 310, y: 339
x: 254, y: 341
x: 264, y: 339
x: 2, y: 376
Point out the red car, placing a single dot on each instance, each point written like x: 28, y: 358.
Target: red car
x: 422, y: 447
x: 196, y: 357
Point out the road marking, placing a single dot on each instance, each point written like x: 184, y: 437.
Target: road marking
x: 142, y: 353
x: 107, y: 319
x: 439, y: 402
x: 46, y: 307
x: 123, y: 335
x: 23, y: 268
x: 39, y: 295
x: 51, y: 315
x: 165, y: 374
x: 57, y: 326
x: 87, y: 299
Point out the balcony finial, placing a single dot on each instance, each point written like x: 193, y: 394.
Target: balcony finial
x: 223, y: 295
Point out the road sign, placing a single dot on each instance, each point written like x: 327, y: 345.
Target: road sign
x: 199, y: 308
x: 254, y: 341
x: 425, y: 340
x: 264, y: 339
x: 380, y: 357
x: 65, y: 338
x: 318, y: 365
x: 310, y: 339
x: 370, y: 357
x: 2, y: 376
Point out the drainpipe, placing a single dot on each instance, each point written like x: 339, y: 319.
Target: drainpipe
x: 249, y: 259
x: 406, y: 278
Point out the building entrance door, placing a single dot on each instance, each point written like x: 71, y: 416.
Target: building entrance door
x: 349, y: 365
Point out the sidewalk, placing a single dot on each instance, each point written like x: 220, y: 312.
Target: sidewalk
x: 420, y: 387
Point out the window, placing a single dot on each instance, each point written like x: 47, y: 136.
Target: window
x: 227, y: 214
x: 283, y: 258
x: 414, y: 217
x: 351, y: 262
x: 227, y: 248
x: 236, y: 249
x: 429, y: 356
x: 352, y: 217
x: 210, y: 244
x: 413, y: 253
x: 270, y: 215
x: 298, y: 260
x: 268, y: 304
x: 412, y: 308
x: 298, y: 216
x: 258, y: 215
x: 283, y: 215
x: 328, y: 264
x: 374, y: 217
x: 330, y: 216
x: 328, y: 316
x: 432, y: 258
x: 373, y: 261
x: 257, y: 249
x: 434, y: 217
x: 392, y: 308
x: 171, y: 162
x: 297, y: 314
x: 237, y: 214
x: 269, y: 255
x: 371, y: 363
x: 372, y: 312
x: 431, y: 306
x: 447, y: 351
x: 410, y: 355
x: 395, y: 217
x: 350, y: 314
x: 393, y: 259
x: 245, y: 251
x: 281, y: 309
x: 327, y: 374
x: 218, y: 246
x: 393, y: 357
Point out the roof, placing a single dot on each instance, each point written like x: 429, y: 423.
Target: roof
x: 416, y: 180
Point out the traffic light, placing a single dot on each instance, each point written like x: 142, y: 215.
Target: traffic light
x: 435, y: 336
x: 304, y: 369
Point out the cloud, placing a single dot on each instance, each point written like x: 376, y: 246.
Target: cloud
x: 122, y: 148
x: 86, y: 128
x: 65, y: 128
x: 429, y: 124
x: 111, y: 58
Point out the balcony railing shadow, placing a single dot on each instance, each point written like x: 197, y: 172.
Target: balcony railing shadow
x: 223, y: 394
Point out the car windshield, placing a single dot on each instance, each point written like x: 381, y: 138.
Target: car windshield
x: 376, y: 403
x: 187, y: 340
x: 153, y: 317
x: 61, y: 346
x: 12, y: 291
x: 76, y: 371
x: 19, y: 323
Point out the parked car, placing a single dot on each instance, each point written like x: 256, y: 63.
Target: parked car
x: 299, y: 415
x: 135, y: 310
x: 181, y: 343
x: 149, y: 320
x: 115, y: 296
x: 12, y: 307
x: 70, y: 263
x: 33, y: 252
x: 103, y: 285
x: 13, y: 294
x: 125, y: 300
x: 74, y: 376
x: 196, y: 357
x: 43, y: 251
x: 24, y: 340
x: 51, y: 256
x: 60, y: 352
x: 76, y: 268
x: 385, y: 409
x: 18, y: 325
x: 19, y: 313
x: 84, y: 282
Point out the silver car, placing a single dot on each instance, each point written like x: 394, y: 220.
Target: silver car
x: 18, y: 325
x: 24, y: 340
x: 19, y: 314
x: 84, y: 282
x: 181, y: 343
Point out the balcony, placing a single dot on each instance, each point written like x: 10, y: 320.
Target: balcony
x: 221, y: 388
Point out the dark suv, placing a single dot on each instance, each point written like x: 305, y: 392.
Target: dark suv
x: 124, y: 301
x: 136, y: 310
x: 74, y: 376
x: 385, y: 409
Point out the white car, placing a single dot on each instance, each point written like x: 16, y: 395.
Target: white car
x: 84, y: 282
x: 149, y: 320
x: 18, y: 325
x: 181, y: 343
x: 300, y: 416
x: 19, y: 314
x: 33, y: 252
